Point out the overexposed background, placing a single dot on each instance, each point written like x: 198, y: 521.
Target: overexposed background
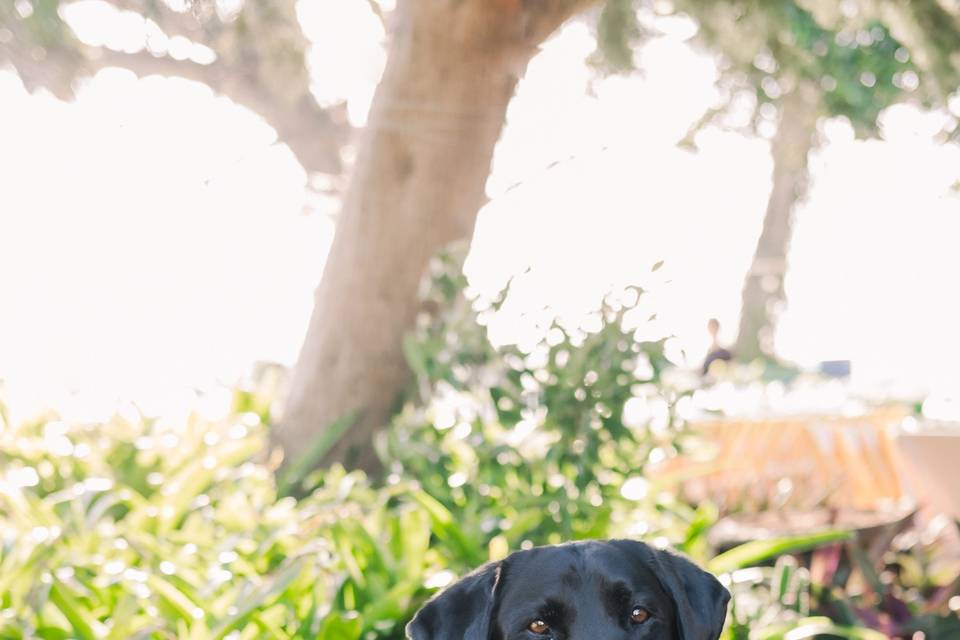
x: 153, y: 237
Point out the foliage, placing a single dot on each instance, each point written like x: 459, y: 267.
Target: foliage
x: 499, y: 434
x: 253, y: 52
x: 856, y: 71
x: 861, y: 56
x: 842, y: 591
x: 173, y: 527
x: 853, y: 59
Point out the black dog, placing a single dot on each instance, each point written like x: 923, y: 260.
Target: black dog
x: 616, y: 590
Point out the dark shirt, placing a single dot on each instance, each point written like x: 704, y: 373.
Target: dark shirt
x: 716, y: 354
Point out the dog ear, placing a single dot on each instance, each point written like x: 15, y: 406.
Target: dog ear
x: 700, y: 599
x: 462, y: 611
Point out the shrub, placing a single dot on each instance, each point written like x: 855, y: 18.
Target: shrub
x: 174, y: 528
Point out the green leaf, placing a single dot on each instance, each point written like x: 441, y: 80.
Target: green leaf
x: 84, y: 625
x: 293, y: 475
x: 178, y: 601
x: 260, y: 598
x: 863, y: 563
x: 814, y: 627
x: 337, y: 626
x: 618, y: 32
x: 415, y: 528
x: 446, y: 528
x: 342, y: 539
x: 194, y: 478
x: 416, y: 359
x: 752, y: 553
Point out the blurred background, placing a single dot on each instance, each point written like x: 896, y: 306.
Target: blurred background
x: 470, y: 277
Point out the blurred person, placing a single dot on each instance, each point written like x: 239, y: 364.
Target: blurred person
x: 715, y: 352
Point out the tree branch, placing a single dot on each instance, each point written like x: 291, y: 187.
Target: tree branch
x: 53, y: 67
x: 377, y: 10
x: 172, y: 23
x: 143, y: 64
x: 543, y: 18
x: 309, y: 131
x: 265, y: 74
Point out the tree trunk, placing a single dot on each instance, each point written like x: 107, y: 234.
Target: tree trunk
x: 418, y: 184
x: 763, y: 292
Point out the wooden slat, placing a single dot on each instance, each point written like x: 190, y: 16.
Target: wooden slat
x: 837, y: 461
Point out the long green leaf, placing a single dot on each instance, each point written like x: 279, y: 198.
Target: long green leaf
x: 751, y: 553
x: 260, y: 598
x: 813, y: 627
x: 194, y: 479
x: 446, y: 528
x: 297, y: 470
x: 342, y: 538
x: 83, y: 623
x: 338, y: 627
x: 177, y: 600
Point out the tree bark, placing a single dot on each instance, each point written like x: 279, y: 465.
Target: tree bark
x: 763, y: 291
x: 418, y: 184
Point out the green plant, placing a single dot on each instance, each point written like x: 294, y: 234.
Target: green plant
x: 543, y: 443
x: 170, y: 527
x: 149, y: 528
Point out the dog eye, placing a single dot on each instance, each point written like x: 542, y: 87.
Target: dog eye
x: 538, y: 627
x: 639, y: 615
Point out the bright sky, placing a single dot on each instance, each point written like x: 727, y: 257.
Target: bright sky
x: 153, y: 236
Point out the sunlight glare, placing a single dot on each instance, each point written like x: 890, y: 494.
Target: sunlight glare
x: 157, y: 236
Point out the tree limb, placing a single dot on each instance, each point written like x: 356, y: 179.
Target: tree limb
x: 143, y: 63
x: 308, y: 130
x: 543, y: 18
x: 377, y: 10
x: 172, y: 23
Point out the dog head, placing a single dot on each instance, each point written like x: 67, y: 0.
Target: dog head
x: 616, y: 590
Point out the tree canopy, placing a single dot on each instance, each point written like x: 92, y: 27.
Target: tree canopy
x: 255, y: 55
x: 858, y: 57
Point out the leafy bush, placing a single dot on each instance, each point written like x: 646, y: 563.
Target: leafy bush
x: 149, y: 528
x: 174, y: 528
x: 545, y: 443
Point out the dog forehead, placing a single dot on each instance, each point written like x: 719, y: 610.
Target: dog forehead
x: 570, y: 566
